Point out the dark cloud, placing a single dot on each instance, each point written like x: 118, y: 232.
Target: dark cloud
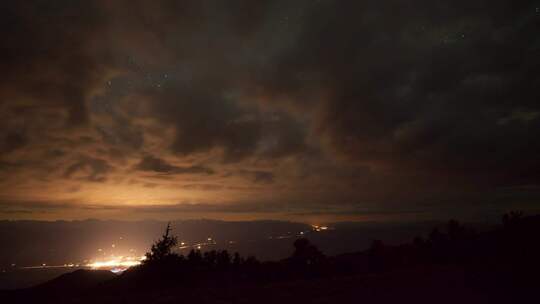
x: 11, y: 212
x: 49, y: 58
x: 13, y: 141
x: 8, y: 204
x: 8, y: 165
x: 88, y: 168
x: 370, y: 102
x: 204, y: 122
x: 261, y: 177
x: 203, y: 187
x: 236, y: 207
x: 153, y: 164
x: 424, y: 89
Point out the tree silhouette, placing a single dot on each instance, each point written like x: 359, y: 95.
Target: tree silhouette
x: 237, y: 259
x: 306, y: 253
x: 194, y: 257
x: 163, y: 247
x: 511, y: 218
x: 210, y: 258
x: 223, y: 259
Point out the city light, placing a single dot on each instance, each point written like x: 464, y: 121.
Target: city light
x: 118, y: 263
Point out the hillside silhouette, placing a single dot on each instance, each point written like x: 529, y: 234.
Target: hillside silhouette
x: 450, y: 265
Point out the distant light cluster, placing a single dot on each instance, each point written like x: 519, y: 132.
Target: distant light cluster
x: 117, y: 263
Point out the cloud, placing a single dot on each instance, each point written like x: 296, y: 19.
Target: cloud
x: 13, y: 141
x: 308, y: 100
x: 89, y: 169
x: 399, y: 90
x: 47, y: 64
x: 258, y: 176
x: 203, y: 187
x: 153, y: 164
x: 263, y: 177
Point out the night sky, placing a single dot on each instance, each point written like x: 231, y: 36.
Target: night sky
x: 299, y: 110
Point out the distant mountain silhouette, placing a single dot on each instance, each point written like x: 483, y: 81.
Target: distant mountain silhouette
x: 58, y: 290
x: 75, y: 282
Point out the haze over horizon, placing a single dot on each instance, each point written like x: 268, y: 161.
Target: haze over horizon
x: 308, y: 111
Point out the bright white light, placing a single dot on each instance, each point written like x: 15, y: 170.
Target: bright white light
x: 117, y: 263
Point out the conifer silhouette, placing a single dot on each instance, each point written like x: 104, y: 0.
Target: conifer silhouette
x: 163, y: 247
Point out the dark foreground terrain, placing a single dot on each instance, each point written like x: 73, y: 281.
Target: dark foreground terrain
x: 454, y: 265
